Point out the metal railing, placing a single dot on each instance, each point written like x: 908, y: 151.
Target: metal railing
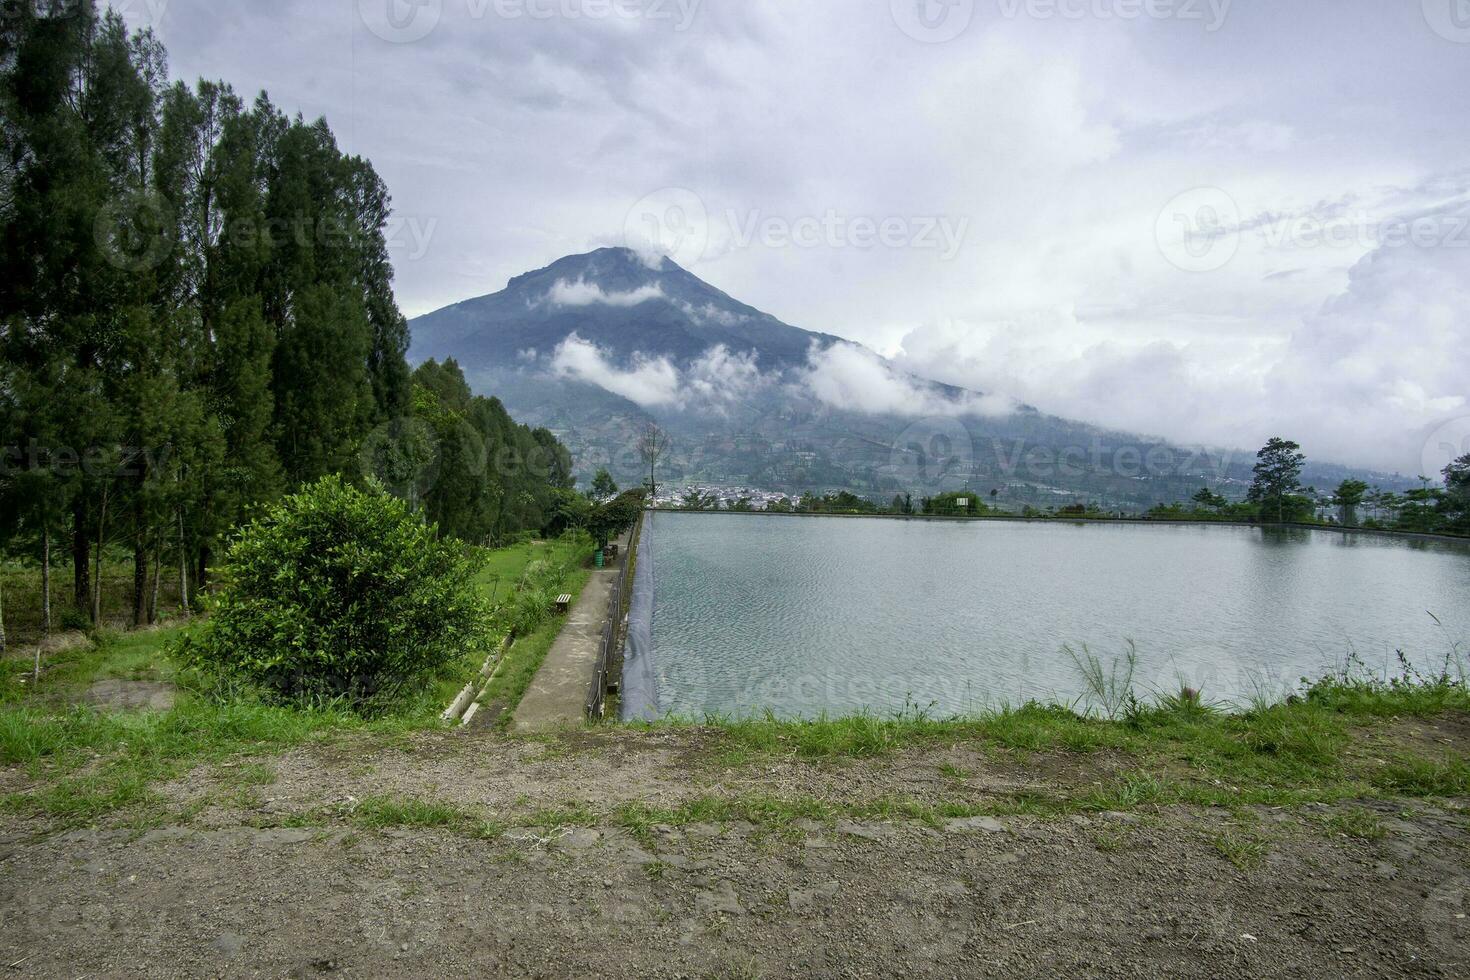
x: 612, y: 629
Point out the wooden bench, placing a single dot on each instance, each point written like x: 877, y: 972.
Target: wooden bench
x: 563, y: 603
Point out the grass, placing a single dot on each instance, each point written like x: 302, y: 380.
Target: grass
x: 1356, y: 822
x: 1242, y: 850
x: 21, y: 584
x: 525, y: 656
x: 503, y: 567
x: 86, y: 763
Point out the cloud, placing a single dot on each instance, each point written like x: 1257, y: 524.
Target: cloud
x: 649, y: 253
x: 649, y: 381
x: 712, y: 383
x: 719, y: 377
x: 853, y: 378
x: 1359, y: 379
x: 583, y: 293
x: 710, y: 313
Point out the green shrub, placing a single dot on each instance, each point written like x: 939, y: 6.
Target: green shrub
x: 340, y: 594
x: 533, y: 599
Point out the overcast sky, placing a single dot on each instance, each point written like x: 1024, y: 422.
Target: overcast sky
x: 1215, y: 221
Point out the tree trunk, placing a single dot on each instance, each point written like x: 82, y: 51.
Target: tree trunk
x: 183, y: 566
x: 45, y: 582
x: 140, y: 562
x: 2, y: 617
x: 140, y: 581
x: 157, y: 575
x: 97, y: 563
x: 201, y: 577
x: 81, y: 557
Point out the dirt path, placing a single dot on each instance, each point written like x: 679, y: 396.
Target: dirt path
x: 279, y: 874
x: 557, y: 697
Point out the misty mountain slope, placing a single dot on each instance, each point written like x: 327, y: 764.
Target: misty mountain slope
x: 594, y: 345
x: 614, y: 299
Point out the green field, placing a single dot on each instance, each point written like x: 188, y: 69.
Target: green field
x: 89, y: 761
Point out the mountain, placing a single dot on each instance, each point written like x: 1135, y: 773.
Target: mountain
x: 594, y: 346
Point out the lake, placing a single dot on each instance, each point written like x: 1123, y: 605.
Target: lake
x: 806, y: 615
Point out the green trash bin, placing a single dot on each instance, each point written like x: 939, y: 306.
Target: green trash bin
x: 597, y: 559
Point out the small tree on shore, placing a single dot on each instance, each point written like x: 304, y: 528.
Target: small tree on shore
x: 604, y: 488
x: 1348, y: 498
x: 606, y: 521
x: 1208, y: 499
x: 653, y: 445
x: 1278, y: 472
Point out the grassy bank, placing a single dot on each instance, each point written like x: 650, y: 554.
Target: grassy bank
x: 20, y: 584
x: 80, y: 760
x: 66, y: 762
x: 525, y: 656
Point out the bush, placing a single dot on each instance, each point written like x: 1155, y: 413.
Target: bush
x: 532, y: 600
x: 338, y: 593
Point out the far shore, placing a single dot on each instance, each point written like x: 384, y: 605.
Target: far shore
x: 1081, y: 519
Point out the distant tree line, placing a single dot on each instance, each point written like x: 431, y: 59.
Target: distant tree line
x: 197, y: 315
x: 1276, y: 495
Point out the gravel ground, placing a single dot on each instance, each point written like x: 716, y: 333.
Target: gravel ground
x: 234, y: 889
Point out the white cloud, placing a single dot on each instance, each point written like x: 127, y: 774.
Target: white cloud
x: 720, y: 377
x: 713, y: 382
x: 649, y: 253
x: 710, y: 313
x: 583, y: 293
x: 649, y: 381
x: 1360, y: 379
x: 853, y: 378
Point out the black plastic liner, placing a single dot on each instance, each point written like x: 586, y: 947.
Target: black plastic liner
x: 640, y: 683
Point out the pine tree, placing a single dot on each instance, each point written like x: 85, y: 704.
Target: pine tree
x: 1278, y: 473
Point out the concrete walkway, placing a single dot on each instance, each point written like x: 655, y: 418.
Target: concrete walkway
x: 557, y: 696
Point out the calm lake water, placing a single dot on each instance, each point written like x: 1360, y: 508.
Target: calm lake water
x: 811, y: 615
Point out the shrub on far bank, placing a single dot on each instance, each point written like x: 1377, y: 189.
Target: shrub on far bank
x: 339, y: 594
